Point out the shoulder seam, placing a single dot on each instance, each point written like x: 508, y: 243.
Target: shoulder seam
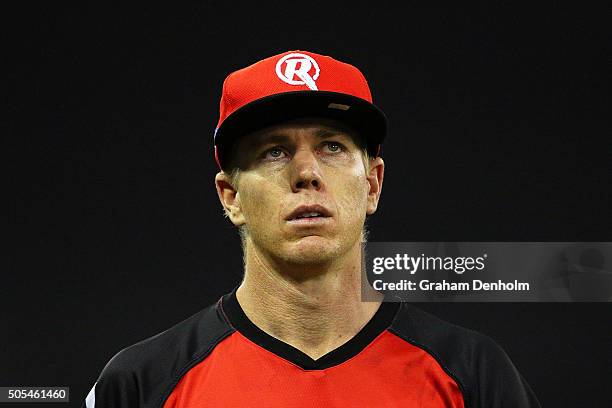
x: 224, y: 314
x: 426, y: 349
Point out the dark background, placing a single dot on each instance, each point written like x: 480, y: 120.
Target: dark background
x: 499, y: 131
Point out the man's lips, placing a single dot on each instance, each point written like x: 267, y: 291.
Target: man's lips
x: 305, y: 213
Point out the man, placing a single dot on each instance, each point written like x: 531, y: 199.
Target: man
x: 298, y: 145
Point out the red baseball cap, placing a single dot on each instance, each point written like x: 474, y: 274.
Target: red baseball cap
x: 292, y: 85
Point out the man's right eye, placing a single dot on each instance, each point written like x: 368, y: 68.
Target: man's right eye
x: 274, y: 154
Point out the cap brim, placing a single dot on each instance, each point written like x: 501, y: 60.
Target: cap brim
x: 362, y: 116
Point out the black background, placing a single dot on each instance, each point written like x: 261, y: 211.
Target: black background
x: 499, y: 131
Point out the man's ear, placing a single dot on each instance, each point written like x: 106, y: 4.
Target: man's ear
x: 375, y: 181
x: 228, y: 195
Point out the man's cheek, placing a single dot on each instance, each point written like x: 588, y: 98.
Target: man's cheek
x: 262, y: 204
x: 353, y: 196
x: 248, y: 203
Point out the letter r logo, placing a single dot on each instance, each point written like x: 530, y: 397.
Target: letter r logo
x: 295, y: 69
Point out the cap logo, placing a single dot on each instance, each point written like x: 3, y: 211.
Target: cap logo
x: 296, y: 69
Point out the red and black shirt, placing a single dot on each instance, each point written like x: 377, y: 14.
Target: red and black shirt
x: 403, y: 357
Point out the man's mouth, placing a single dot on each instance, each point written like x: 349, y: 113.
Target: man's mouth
x: 311, y: 212
x: 309, y: 215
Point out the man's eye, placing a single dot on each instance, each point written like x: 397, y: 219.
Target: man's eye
x: 274, y: 153
x: 333, y: 147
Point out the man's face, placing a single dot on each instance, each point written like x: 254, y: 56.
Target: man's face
x: 303, y: 191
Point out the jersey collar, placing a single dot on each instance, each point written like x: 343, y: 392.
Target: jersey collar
x: 378, y: 323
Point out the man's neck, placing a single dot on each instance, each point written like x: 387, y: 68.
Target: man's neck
x: 314, y: 314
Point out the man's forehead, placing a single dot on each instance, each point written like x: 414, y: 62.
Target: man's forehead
x: 319, y: 128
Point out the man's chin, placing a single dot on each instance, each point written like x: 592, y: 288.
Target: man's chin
x: 312, y: 250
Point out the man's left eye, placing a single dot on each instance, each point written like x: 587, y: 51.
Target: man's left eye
x: 333, y: 147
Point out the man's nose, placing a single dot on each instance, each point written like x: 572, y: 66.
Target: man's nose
x: 306, y: 173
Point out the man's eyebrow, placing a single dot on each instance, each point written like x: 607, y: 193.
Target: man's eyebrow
x: 281, y: 137
x: 324, y: 133
x: 268, y: 138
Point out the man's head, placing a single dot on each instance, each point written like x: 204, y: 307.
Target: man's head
x: 301, y: 190
x: 297, y: 143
